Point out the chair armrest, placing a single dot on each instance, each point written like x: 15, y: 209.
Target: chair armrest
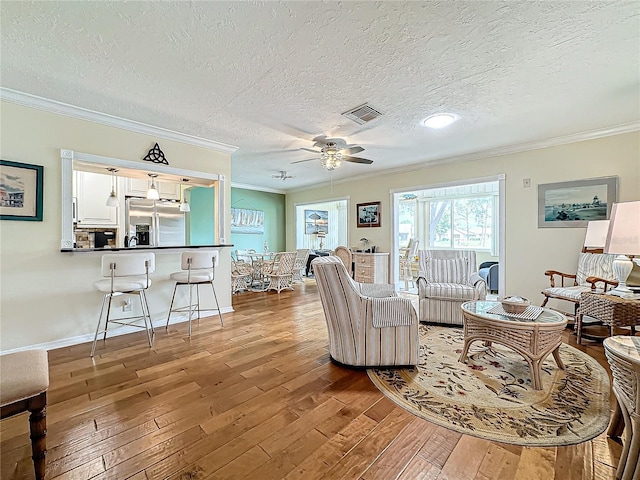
x: 422, y: 285
x: 552, y: 275
x: 607, y: 283
x: 392, y: 312
x: 475, y: 278
x: 377, y: 290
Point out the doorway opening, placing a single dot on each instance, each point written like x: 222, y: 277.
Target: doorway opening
x: 322, y: 226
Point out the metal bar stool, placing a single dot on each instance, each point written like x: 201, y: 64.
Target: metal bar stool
x: 198, y: 268
x: 127, y: 274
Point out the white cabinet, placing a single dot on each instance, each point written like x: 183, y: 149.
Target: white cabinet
x: 91, y: 191
x: 371, y: 267
x: 137, y: 187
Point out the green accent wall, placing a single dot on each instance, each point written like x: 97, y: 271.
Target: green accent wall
x: 273, y: 206
x: 200, y: 225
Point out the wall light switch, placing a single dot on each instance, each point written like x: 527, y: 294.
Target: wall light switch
x: 526, y: 182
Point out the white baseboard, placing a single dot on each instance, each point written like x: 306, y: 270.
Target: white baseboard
x: 67, y: 342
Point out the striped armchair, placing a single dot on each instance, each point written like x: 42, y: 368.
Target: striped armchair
x: 368, y: 324
x: 447, y: 279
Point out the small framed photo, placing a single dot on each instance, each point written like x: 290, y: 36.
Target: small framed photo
x: 20, y: 191
x: 576, y: 203
x: 368, y: 214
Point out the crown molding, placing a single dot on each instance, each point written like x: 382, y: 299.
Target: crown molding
x: 53, y: 106
x: 257, y: 188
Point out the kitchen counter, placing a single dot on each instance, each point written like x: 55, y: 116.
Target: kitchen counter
x: 143, y: 247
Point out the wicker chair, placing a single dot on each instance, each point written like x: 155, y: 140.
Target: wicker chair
x: 344, y: 254
x: 405, y: 263
x: 279, y: 272
x: 447, y: 279
x: 241, y: 275
x: 301, y: 262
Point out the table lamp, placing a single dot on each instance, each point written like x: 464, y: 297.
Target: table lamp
x: 596, y: 235
x: 623, y: 238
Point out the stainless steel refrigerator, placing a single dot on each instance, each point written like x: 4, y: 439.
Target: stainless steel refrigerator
x: 157, y: 223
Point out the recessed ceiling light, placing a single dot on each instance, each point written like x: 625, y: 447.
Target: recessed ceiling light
x: 439, y: 120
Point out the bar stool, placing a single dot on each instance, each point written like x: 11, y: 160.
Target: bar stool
x: 24, y: 379
x: 198, y: 268
x: 127, y: 274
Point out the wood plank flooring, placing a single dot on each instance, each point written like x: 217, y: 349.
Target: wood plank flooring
x: 257, y: 399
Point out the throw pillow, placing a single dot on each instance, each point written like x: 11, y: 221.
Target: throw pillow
x: 447, y: 270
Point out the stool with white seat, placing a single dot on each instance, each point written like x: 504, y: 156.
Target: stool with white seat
x: 198, y: 268
x: 24, y: 379
x: 127, y: 274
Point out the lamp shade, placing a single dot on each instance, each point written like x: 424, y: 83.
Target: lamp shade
x: 596, y: 234
x: 623, y: 236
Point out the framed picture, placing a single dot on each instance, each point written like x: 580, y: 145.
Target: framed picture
x: 368, y: 214
x: 20, y: 191
x: 574, y: 204
x: 247, y: 221
x: 316, y: 221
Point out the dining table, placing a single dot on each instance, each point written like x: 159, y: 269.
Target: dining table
x: 258, y: 260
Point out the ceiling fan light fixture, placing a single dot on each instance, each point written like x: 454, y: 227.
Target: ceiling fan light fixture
x: 331, y: 160
x: 439, y: 120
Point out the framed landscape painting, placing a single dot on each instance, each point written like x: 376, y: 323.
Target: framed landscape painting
x: 20, y: 191
x: 316, y: 221
x: 574, y: 204
x: 368, y: 214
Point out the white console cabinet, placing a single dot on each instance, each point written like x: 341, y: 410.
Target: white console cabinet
x: 371, y: 267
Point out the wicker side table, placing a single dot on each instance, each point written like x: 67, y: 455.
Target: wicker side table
x: 623, y: 355
x: 612, y: 311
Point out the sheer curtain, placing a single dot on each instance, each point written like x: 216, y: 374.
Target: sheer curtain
x: 337, y: 225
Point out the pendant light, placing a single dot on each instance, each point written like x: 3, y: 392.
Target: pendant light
x: 184, y: 206
x: 152, y: 193
x: 112, y: 199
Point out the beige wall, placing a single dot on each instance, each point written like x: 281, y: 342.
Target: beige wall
x: 48, y: 296
x: 529, y: 250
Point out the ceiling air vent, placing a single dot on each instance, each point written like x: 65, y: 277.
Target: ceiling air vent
x: 363, y: 114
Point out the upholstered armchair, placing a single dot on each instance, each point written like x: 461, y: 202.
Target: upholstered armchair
x: 447, y: 279
x: 594, y: 273
x: 368, y: 324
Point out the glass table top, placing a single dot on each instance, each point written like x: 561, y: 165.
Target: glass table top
x: 481, y: 308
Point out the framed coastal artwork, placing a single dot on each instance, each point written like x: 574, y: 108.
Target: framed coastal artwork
x: 247, y: 221
x: 316, y: 221
x: 575, y: 203
x: 20, y: 191
x: 368, y: 214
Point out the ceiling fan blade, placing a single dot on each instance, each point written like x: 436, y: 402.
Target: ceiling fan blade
x: 347, y: 158
x: 310, y: 150
x: 307, y: 160
x: 353, y: 149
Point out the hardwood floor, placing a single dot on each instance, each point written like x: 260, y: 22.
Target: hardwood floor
x: 258, y: 399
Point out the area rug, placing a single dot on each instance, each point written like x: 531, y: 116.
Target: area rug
x: 491, y: 397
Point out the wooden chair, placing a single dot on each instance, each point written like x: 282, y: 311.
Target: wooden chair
x: 594, y: 274
x: 24, y: 379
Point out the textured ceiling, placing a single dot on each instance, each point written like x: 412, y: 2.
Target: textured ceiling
x: 269, y: 77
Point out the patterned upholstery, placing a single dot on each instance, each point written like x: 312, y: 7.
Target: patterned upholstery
x: 368, y: 324
x: 598, y: 265
x: 439, y: 296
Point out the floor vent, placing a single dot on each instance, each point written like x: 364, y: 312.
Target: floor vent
x: 363, y: 114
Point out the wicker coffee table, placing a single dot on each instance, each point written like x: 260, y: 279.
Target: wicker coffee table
x: 533, y: 339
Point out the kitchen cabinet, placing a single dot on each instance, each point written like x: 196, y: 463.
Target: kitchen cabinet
x: 91, y: 192
x: 371, y: 267
x: 137, y: 187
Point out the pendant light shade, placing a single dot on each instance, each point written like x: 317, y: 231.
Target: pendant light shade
x: 112, y: 199
x: 184, y: 205
x: 152, y: 193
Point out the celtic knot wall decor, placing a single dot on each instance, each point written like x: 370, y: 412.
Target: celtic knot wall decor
x: 156, y: 155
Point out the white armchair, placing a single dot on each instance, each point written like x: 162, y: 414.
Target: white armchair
x: 447, y: 279
x: 368, y: 324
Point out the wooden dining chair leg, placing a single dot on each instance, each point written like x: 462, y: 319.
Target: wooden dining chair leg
x: 38, y: 430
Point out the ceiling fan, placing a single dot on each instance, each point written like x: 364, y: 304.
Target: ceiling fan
x: 282, y: 175
x: 333, y: 151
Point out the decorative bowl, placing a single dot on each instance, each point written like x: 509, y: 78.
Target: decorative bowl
x: 515, y: 304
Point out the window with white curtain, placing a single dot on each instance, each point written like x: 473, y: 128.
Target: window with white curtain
x: 337, y: 226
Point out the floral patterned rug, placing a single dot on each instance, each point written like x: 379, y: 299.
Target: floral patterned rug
x: 491, y: 395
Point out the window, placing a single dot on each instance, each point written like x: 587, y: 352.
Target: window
x: 462, y: 222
